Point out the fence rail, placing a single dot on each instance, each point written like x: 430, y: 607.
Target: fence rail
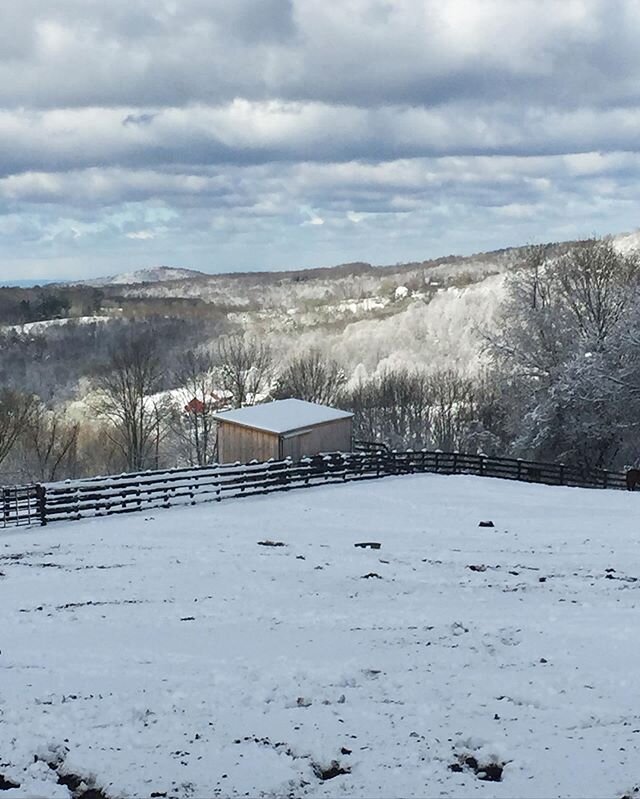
x: 125, y: 493
x: 21, y: 505
x: 556, y: 474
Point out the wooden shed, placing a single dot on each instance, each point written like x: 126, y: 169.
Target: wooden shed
x: 284, y: 428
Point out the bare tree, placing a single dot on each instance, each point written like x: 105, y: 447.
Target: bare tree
x: 532, y: 280
x: 392, y: 407
x: 126, y: 389
x: 97, y: 454
x: 246, y: 367
x: 193, y: 422
x: 50, y: 444
x: 311, y: 377
x: 16, y: 410
x: 450, y: 397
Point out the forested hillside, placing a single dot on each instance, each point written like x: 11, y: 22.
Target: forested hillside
x: 528, y: 351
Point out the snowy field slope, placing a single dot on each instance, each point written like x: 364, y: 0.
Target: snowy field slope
x: 174, y: 655
x: 38, y: 328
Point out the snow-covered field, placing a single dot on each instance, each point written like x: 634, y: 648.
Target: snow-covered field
x: 173, y: 654
x: 38, y: 328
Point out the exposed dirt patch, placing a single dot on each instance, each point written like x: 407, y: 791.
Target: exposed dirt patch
x: 32, y: 554
x: 6, y: 784
x: 269, y: 543
x: 71, y: 781
x: 489, y: 772
x: 79, y: 787
x: 92, y: 603
x: 91, y: 793
x: 611, y: 576
x: 334, y: 769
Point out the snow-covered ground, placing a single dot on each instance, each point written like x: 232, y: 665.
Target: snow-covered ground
x: 42, y: 326
x: 173, y: 654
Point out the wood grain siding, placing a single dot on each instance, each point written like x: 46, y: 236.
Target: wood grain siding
x: 244, y: 444
x: 332, y: 436
x: 241, y: 443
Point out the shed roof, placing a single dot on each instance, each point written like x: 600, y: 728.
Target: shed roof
x: 283, y: 416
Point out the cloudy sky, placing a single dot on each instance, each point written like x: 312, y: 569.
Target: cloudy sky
x: 227, y: 135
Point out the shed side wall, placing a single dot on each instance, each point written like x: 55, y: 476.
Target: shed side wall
x: 328, y: 437
x: 237, y: 443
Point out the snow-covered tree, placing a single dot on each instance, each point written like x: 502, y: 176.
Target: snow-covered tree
x: 311, y: 377
x: 566, y: 341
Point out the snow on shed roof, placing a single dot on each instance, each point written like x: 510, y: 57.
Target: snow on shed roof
x: 283, y: 416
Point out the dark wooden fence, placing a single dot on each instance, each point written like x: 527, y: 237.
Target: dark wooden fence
x: 555, y: 474
x: 103, y: 496
x: 22, y: 505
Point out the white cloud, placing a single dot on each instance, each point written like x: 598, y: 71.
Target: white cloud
x: 142, y: 235
x: 312, y: 218
x: 394, y: 129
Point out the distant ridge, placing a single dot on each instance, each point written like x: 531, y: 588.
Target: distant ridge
x: 154, y: 274
x: 162, y: 274
x: 626, y: 242
x: 26, y: 284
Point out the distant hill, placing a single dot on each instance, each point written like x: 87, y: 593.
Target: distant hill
x: 154, y: 274
x: 25, y: 284
x: 432, y: 314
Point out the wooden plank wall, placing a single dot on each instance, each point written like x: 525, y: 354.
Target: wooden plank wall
x: 243, y: 444
x: 237, y: 443
x: 332, y: 436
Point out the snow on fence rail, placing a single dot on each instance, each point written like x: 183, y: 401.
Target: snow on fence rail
x: 102, y: 496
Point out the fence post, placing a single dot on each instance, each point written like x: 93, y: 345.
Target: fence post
x: 5, y: 508
x: 482, y: 457
x: 605, y: 479
x: 437, y: 464
x: 561, y: 474
x: 519, y: 468
x: 411, y: 461
x: 455, y: 462
x: 41, y: 496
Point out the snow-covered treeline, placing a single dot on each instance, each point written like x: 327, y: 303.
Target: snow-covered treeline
x: 566, y: 343
x: 528, y: 352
